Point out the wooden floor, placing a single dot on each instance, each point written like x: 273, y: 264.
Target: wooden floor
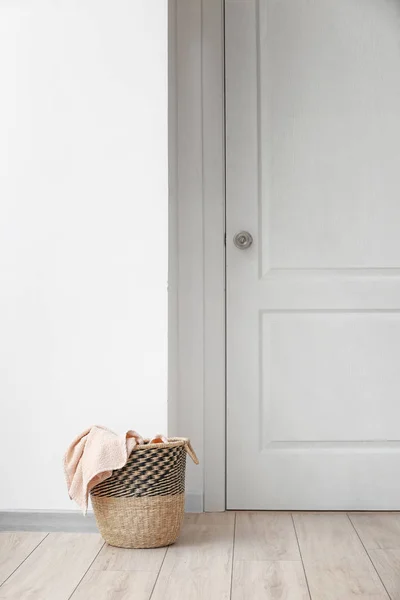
x: 242, y: 556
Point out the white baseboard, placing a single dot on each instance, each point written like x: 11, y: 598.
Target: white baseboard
x: 69, y: 520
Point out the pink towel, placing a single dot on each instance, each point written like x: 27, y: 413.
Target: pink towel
x: 92, y: 457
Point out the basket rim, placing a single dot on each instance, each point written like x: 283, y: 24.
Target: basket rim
x: 172, y: 443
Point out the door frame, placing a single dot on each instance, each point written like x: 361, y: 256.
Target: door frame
x: 197, y: 308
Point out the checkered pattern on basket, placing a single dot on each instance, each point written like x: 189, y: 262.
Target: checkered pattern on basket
x: 148, y: 472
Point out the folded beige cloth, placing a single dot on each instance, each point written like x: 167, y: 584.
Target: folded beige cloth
x: 92, y: 457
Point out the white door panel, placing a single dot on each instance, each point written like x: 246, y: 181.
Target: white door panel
x: 313, y: 173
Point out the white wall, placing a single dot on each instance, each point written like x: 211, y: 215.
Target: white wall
x: 83, y: 232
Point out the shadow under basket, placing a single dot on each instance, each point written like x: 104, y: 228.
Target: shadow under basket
x: 142, y: 505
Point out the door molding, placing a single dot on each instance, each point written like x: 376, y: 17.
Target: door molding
x: 196, y: 406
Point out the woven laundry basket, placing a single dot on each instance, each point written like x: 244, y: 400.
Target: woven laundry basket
x: 142, y: 504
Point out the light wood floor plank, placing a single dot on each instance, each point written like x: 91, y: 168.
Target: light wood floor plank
x: 14, y: 548
x: 387, y: 563
x: 123, y: 559
x: 198, y: 566
x: 265, y: 536
x: 267, y: 562
x: 269, y: 580
x: 54, y: 569
x: 326, y: 535
x: 113, y: 585
x: 336, y: 564
x: 378, y: 530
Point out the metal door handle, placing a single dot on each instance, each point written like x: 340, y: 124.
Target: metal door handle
x: 243, y: 240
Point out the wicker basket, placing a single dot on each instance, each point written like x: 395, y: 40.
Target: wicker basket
x: 142, y: 504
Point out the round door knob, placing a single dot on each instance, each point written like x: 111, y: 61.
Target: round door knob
x: 243, y: 240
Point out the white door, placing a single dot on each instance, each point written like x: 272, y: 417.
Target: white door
x: 313, y: 325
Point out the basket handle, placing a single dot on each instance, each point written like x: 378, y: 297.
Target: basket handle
x: 191, y: 452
